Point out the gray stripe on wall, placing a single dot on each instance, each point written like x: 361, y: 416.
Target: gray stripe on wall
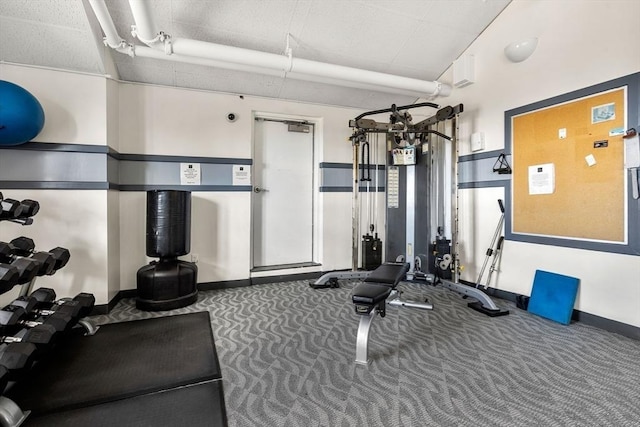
x: 76, y: 148
x: 70, y: 166
x: 113, y: 170
x: 482, y: 155
x: 180, y: 159
x: 480, y: 170
x: 47, y: 166
x: 210, y: 188
x: 349, y: 189
x: 339, y: 177
x: 54, y: 185
x: 485, y: 184
x: 168, y: 173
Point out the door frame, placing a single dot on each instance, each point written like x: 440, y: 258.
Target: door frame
x: 316, y: 249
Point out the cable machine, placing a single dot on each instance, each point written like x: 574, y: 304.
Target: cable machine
x: 421, y: 196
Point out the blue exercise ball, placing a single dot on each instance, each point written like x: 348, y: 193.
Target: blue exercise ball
x: 21, y: 115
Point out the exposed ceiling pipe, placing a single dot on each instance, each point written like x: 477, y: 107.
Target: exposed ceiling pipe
x: 163, y: 46
x: 112, y: 38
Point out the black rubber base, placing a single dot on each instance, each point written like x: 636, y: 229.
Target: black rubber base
x: 324, y: 285
x: 477, y: 306
x: 195, y: 405
x: 331, y: 283
x: 121, y: 361
x: 151, y: 305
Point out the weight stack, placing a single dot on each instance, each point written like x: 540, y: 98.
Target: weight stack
x: 371, y: 252
x: 439, y: 249
x: 169, y: 283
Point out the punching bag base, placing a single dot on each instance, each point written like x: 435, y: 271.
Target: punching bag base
x: 150, y: 305
x: 166, y: 285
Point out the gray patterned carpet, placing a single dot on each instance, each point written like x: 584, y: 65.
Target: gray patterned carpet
x: 287, y: 353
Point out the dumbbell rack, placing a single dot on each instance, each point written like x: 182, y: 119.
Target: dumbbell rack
x: 34, y: 317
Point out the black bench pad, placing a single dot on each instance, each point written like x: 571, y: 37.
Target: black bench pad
x: 122, y: 360
x: 370, y: 293
x: 391, y: 273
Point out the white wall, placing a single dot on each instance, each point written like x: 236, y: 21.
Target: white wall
x: 74, y: 104
x: 220, y: 226
x: 575, y: 50
x: 105, y: 230
x: 181, y: 122
x: 75, y: 113
x: 76, y: 220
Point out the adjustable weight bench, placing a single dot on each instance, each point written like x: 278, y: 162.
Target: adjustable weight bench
x: 371, y: 297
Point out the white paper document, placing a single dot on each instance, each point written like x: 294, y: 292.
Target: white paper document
x: 542, y: 179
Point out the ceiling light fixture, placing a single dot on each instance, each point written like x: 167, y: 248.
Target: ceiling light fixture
x: 521, y: 50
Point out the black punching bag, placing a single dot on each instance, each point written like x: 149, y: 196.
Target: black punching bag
x: 169, y: 283
x: 168, y: 223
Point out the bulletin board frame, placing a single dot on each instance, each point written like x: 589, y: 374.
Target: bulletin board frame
x: 603, y: 227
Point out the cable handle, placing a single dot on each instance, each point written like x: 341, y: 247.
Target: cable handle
x: 366, y: 163
x: 501, y: 205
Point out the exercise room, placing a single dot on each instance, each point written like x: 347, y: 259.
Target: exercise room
x: 319, y: 213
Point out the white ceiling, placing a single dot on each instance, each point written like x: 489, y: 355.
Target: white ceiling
x: 411, y: 38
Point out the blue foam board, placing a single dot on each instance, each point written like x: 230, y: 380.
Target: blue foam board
x: 553, y: 296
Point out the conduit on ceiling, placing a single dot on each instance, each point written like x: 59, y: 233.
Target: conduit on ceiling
x: 159, y: 45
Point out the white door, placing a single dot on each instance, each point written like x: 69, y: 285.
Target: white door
x: 283, y: 194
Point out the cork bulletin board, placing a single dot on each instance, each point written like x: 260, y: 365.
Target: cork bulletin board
x: 568, y: 169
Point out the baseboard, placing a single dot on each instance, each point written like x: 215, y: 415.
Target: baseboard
x: 228, y: 284
x: 629, y: 331
x: 209, y: 286
x: 106, y: 308
x: 608, y: 325
x: 285, y: 278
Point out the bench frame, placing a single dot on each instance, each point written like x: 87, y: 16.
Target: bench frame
x: 366, y: 320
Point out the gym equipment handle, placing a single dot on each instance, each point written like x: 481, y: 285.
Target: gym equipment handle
x: 501, y: 205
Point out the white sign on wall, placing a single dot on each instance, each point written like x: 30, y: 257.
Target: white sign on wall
x: 189, y: 173
x: 241, y: 175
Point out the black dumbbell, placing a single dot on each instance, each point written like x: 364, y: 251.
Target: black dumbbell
x: 10, y: 209
x: 27, y: 269
x: 41, y: 336
x: 46, y: 261
x: 4, y: 379
x: 20, y: 212
x: 76, y: 309
x: 17, y: 358
x: 8, y: 277
x: 13, y: 316
x: 46, y: 299
x: 24, y: 246
x: 29, y: 208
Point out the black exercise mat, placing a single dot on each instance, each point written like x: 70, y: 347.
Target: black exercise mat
x: 120, y: 361
x: 194, y: 406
